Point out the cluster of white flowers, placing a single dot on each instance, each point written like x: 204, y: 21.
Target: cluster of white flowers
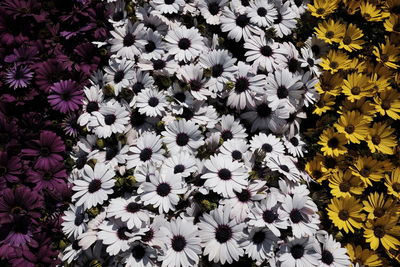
x: 193, y: 147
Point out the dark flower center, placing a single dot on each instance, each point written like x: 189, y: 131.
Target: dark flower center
x: 217, y: 70
x: 379, y: 231
x: 182, y: 139
x: 243, y: 196
x: 3, y: 170
x: 75, y: 245
x: 163, y: 189
x: 180, y: 96
x: 347, y: 40
x: 146, y: 154
x: 356, y: 90
x: 242, y: 21
x: 333, y: 142
x: 317, y: 174
x: 92, y: 106
x: 169, y: 2
x: 213, y: 8
x: 258, y: 237
x: 226, y: 135
x: 365, y: 172
x: 150, y: 46
x: 153, y: 101
x: 344, y: 215
x: 333, y: 65
x: 79, y: 218
x: 284, y: 168
x: 138, y: 252
x: 263, y: 110
x: 310, y: 62
x: 122, y: 233
x: 119, y: 76
x: 47, y: 176
x: 261, y: 11
x: 376, y: 140
x: 344, y: 186
x: 117, y: 16
x: 320, y: 11
x: 266, y: 148
x: 129, y: 40
x: 179, y: 168
x: 178, y: 243
x: 293, y: 65
x: 158, y: 64
x: 236, y: 154
x: 326, y: 257
x: 349, y: 128
x: 137, y: 87
x: 184, y: 43
x: 148, y: 236
x: 16, y: 210
x: 297, y: 251
x: 295, y: 216
x: 241, y: 85
x: 196, y: 85
x: 266, y: 51
x: 294, y: 141
x: 282, y: 92
x: 269, y: 216
x: 379, y: 212
x: 396, y: 187
x: 44, y: 151
x: 245, y: 2
x: 224, y: 174
x: 329, y: 34
x: 386, y: 104
x: 133, y: 207
x: 94, y: 185
x: 109, y: 119
x: 111, y: 153
x: 223, y: 233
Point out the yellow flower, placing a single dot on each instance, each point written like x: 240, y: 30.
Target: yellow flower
x: 380, y: 83
x: 363, y: 257
x: 388, y: 103
x: 324, y: 104
x: 353, y: 125
x: 352, y: 38
x: 381, y: 138
x: 332, y: 164
x: 330, y: 31
x: 388, y: 54
x: 345, y: 184
x: 345, y: 213
x: 378, y: 205
x: 335, y: 61
x: 352, y: 6
x: 392, y: 183
x: 357, y: 65
x: 392, y: 24
x: 362, y: 105
x: 332, y: 143
x: 382, y: 231
x: 356, y: 86
x: 371, y: 12
x: 314, y: 169
x: 329, y: 83
x: 368, y: 169
x: 322, y: 8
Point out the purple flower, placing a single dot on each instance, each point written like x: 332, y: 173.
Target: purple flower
x: 19, y: 232
x: 22, y: 55
x: 10, y: 168
x: 48, y: 150
x: 65, y: 96
x: 50, y: 179
x: 48, y: 73
x: 85, y: 58
x: 70, y: 125
x: 19, y: 76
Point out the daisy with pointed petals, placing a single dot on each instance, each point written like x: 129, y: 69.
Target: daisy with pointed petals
x: 119, y: 74
x: 236, y: 24
x: 221, y: 237
x: 260, y: 244
x: 141, y: 80
x: 168, y: 6
x: 224, y: 176
x: 229, y: 128
x: 125, y: 43
x: 129, y: 211
x: 194, y: 78
x: 299, y: 252
x: 211, y: 10
x: 264, y: 54
x: 246, y: 87
x: 222, y: 67
x: 236, y: 149
x: 74, y: 221
x: 183, y: 163
x: 184, y: 44
x: 267, y: 145
x: 262, y: 13
x: 162, y: 191
x: 151, y: 102
x: 153, y: 46
x: 294, y: 145
x: 148, y: 148
x: 182, y: 244
x: 139, y: 255
x: 91, y: 102
x: 182, y: 135
x: 165, y: 66
x: 117, y: 237
x: 95, y: 186
x: 286, y: 19
x: 332, y: 254
x: 345, y: 213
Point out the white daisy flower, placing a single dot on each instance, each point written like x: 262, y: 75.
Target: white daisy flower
x: 317, y: 46
x: 260, y: 245
x: 92, y: 101
x: 74, y: 221
x: 229, y: 128
x: 332, y: 254
x: 311, y: 94
x: 164, y: 66
x: 117, y: 236
x: 224, y: 176
x: 153, y: 237
x: 182, y: 163
x: 284, y: 165
x: 139, y: 255
x: 147, y: 149
x: 220, y: 236
x: 286, y: 20
x: 113, y: 155
x: 72, y: 252
x: 162, y: 191
x: 152, y: 44
x: 182, y: 135
x: 292, y: 62
x: 247, y: 86
x: 193, y: 76
x: 119, y: 74
x: 292, y: 126
x: 129, y: 210
x: 95, y: 186
x: 262, y: 13
x: 222, y: 67
x: 151, y: 102
x: 263, y: 53
x: 211, y: 10
x: 88, y: 238
x: 299, y: 252
x: 182, y: 244
x: 181, y: 98
x: 267, y: 145
x: 294, y: 145
x: 237, y: 24
x: 168, y: 6
x: 125, y: 42
x: 119, y: 14
x: 237, y: 149
x: 308, y: 60
x: 184, y: 44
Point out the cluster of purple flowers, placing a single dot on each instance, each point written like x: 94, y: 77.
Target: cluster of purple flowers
x: 46, y: 58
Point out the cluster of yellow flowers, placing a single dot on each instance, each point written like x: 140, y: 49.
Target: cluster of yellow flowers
x: 358, y: 128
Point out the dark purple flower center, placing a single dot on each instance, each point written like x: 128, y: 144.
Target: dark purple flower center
x: 226, y: 135
x: 119, y: 76
x: 310, y: 62
x: 195, y: 85
x: 146, y: 154
x: 178, y: 243
x: 294, y: 141
x: 242, y: 20
x: 158, y: 64
x: 266, y: 148
x: 137, y: 87
x: 47, y: 176
x: 184, y: 43
x: 150, y: 46
x: 79, y: 218
x: 148, y: 236
x: 269, y: 216
x: 263, y: 110
x: 75, y: 245
x: 94, y: 185
x: 44, y: 151
x: 258, y: 237
x: 333, y: 142
x: 180, y: 96
x: 236, y: 154
x: 182, y: 139
x: 293, y: 65
x: 243, y: 196
x: 282, y: 92
x: 117, y: 16
x: 169, y: 2
x: 163, y: 189
x: 111, y: 153
x: 153, y: 101
x: 284, y: 168
x: 261, y: 11
x: 138, y: 252
x: 266, y: 51
x: 213, y: 8
x: 122, y: 233
x: 327, y: 257
x: 242, y: 84
x: 92, y: 106
x: 223, y: 233
x: 224, y: 174
x: 295, y: 216
x: 297, y: 251
x: 133, y: 207
x: 129, y: 40
x: 109, y: 119
x: 245, y: 2
x: 16, y: 210
x: 3, y: 170
x: 217, y: 70
x: 179, y: 168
